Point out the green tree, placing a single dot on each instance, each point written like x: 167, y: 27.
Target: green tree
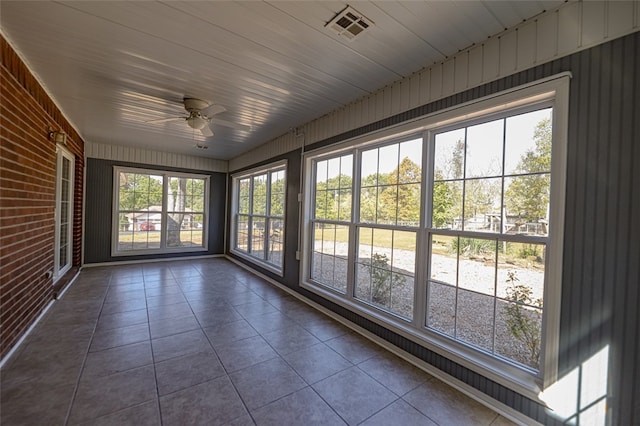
x: 401, y: 199
x: 139, y: 192
x: 333, y: 198
x: 528, y: 195
x: 447, y: 193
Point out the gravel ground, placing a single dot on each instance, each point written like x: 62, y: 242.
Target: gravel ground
x: 474, y: 305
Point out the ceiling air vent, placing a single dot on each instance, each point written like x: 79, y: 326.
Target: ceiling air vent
x: 349, y: 23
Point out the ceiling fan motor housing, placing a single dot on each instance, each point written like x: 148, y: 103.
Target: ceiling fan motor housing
x: 191, y: 104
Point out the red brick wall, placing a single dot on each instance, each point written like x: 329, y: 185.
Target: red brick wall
x: 27, y: 196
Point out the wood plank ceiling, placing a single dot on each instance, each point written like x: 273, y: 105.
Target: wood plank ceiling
x: 113, y: 66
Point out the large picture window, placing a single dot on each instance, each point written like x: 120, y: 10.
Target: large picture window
x: 159, y: 211
x: 446, y: 232
x: 258, y: 215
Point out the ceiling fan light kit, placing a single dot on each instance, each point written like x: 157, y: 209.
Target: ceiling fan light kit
x: 196, y: 121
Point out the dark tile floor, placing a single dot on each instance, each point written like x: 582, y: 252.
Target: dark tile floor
x: 205, y: 342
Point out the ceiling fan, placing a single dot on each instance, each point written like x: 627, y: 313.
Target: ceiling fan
x: 201, y: 116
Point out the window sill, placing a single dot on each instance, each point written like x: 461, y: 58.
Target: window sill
x: 258, y: 262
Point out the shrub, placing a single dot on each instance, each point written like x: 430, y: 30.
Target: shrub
x: 524, y: 323
x: 382, y: 279
x: 472, y: 246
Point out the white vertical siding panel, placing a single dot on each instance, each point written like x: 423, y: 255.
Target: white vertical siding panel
x: 569, y: 28
x: 508, y: 46
x: 364, y: 110
x: 379, y: 99
x: 460, y: 72
x: 436, y: 82
x: 405, y: 95
x: 356, y: 111
x: 593, y: 22
x: 425, y: 86
x: 448, y: 77
x: 414, y: 90
x: 620, y: 17
x: 388, y: 101
x: 474, y: 66
x: 547, y: 37
x: 373, y: 102
x: 526, y: 48
x: 490, y: 59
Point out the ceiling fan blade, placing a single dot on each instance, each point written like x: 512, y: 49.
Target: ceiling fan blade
x: 212, y: 110
x: 231, y: 124
x: 206, y: 131
x: 164, y: 120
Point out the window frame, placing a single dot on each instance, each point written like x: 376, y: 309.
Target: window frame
x: 550, y: 91
x: 267, y: 217
x: 164, y: 212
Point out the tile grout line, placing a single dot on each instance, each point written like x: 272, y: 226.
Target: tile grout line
x: 86, y: 355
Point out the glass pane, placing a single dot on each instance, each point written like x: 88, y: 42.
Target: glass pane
x: 191, y: 237
x: 257, y: 238
x: 447, y: 205
x: 333, y: 173
x: 411, y: 161
x: 518, y: 332
x: 242, y: 227
x: 475, y: 318
x: 244, y: 187
x: 369, y: 168
x: 482, y: 210
x: 385, y: 268
x: 277, y: 193
x: 408, y: 207
x: 386, y: 211
x: 346, y: 171
x: 526, y: 199
x: 146, y: 232
x: 477, y: 265
x: 484, y: 149
x: 528, y: 142
x: 441, y: 307
x: 321, y: 173
x: 368, y: 203
x: 176, y: 222
x: 521, y: 266
x: 344, y: 204
x: 330, y: 250
x: 260, y: 195
x: 444, y: 259
x: 276, y: 240
x: 449, y: 155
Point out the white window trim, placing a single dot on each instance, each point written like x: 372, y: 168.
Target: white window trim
x: 235, y: 178
x: 162, y: 250
x: 62, y: 153
x: 554, y: 89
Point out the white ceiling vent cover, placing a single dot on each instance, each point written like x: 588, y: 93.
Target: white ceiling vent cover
x: 349, y: 23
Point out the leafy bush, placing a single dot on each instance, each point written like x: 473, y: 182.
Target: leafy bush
x: 523, y: 322
x: 472, y: 246
x: 382, y: 279
x: 528, y: 250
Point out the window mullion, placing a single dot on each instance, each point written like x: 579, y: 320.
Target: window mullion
x: 164, y: 220
x: 353, y: 229
x: 423, y: 249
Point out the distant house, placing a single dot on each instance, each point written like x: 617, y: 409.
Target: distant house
x: 152, y: 220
